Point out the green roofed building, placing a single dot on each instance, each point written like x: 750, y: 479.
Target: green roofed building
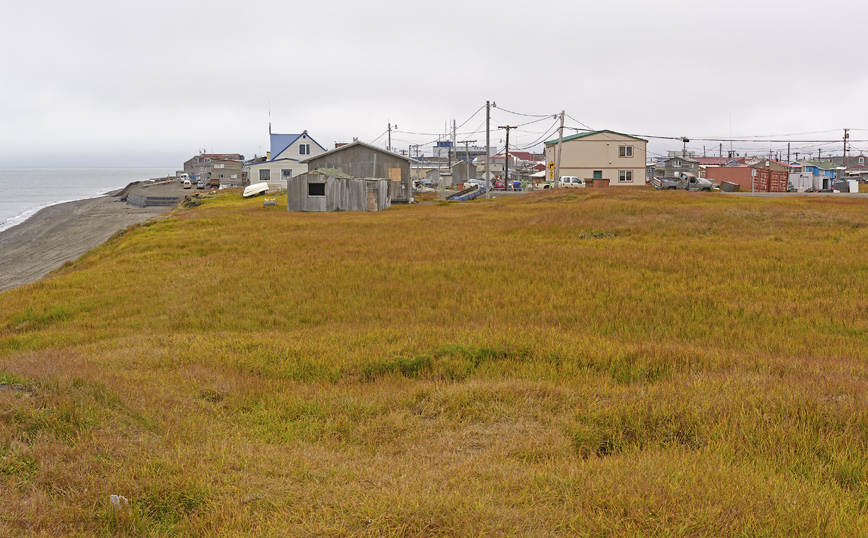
x: 600, y: 158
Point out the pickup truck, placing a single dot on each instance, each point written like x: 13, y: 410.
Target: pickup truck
x: 685, y: 181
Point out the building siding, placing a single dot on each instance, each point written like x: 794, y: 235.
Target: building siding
x: 363, y: 161
x: 600, y: 152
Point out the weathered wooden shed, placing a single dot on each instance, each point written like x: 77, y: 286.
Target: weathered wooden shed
x: 463, y: 171
x: 332, y: 190
x: 359, y: 159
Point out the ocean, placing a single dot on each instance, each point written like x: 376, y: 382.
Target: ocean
x: 24, y: 191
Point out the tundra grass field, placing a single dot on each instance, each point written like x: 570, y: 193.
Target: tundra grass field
x: 619, y: 363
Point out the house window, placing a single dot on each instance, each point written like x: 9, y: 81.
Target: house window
x: 234, y: 176
x: 219, y: 165
x: 316, y: 189
x: 598, y: 174
x: 625, y: 151
x: 304, y: 149
x: 265, y: 175
x: 861, y: 160
x: 286, y: 173
x: 625, y: 175
x: 677, y: 164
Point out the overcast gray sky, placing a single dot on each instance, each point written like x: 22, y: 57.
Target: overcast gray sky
x: 117, y: 83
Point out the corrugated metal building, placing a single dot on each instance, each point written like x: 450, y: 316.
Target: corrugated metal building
x: 332, y: 190
x: 359, y: 159
x: 463, y: 171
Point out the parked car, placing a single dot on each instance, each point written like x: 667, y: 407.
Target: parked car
x: 571, y: 182
x: 200, y: 185
x: 188, y: 184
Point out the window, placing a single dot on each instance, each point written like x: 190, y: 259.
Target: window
x: 304, y: 149
x: 861, y: 160
x: 265, y: 175
x: 316, y: 189
x: 286, y: 173
x: 626, y: 176
x: 625, y: 151
x: 677, y: 164
x: 219, y: 165
x: 598, y: 174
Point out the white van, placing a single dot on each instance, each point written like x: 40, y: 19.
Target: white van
x: 571, y: 181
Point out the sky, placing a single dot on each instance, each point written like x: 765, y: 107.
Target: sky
x: 116, y: 83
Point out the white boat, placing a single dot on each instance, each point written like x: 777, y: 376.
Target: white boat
x: 256, y: 188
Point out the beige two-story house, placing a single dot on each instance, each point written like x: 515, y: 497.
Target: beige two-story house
x: 600, y: 155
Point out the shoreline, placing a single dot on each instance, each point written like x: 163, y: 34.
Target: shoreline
x: 62, y: 232
x: 29, y: 213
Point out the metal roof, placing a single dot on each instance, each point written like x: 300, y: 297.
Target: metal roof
x: 358, y: 143
x: 823, y: 165
x: 591, y: 133
x: 279, y: 142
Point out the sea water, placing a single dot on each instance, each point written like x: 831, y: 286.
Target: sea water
x: 24, y: 191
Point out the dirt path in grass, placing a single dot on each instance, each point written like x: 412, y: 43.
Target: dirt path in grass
x: 64, y: 232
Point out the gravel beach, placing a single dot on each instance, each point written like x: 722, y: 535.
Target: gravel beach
x: 64, y: 232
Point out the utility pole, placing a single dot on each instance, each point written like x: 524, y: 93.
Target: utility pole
x: 390, y: 135
x: 685, y: 140
x: 487, y: 149
x: 557, y: 177
x: 720, y: 156
x: 449, y: 142
x: 467, y: 156
x: 410, y: 152
x: 506, y: 156
x: 846, y: 137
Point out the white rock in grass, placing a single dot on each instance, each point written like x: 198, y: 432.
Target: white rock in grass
x: 119, y: 502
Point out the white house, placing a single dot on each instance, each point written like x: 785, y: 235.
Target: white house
x: 283, y: 159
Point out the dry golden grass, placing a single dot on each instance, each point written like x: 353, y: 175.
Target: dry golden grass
x: 621, y: 363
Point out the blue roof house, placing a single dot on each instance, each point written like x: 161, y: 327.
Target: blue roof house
x: 824, y: 172
x: 283, y: 162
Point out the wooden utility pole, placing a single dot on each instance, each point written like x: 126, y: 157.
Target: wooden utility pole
x: 466, y: 148
x: 506, y: 156
x: 410, y: 151
x: 467, y: 155
x: 390, y: 135
x: 557, y: 177
x: 487, y: 149
x: 846, y: 137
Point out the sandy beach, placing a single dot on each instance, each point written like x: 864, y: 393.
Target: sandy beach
x: 64, y: 232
